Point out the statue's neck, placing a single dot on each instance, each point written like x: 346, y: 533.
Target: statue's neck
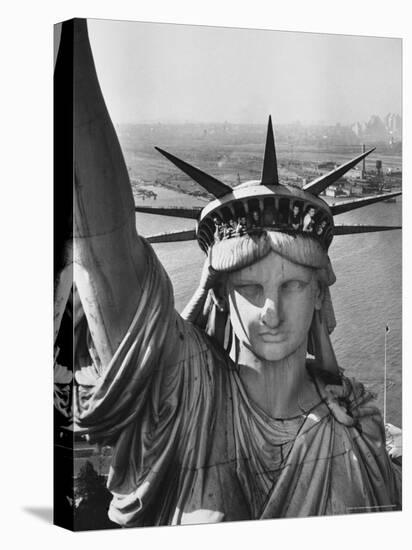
x: 283, y: 388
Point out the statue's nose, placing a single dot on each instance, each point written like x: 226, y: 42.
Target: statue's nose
x: 271, y: 315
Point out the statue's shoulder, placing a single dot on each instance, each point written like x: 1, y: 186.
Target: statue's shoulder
x: 197, y: 349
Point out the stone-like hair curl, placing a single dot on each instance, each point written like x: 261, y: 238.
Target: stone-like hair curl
x: 232, y: 254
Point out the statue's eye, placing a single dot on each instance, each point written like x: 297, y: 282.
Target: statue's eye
x: 249, y: 291
x: 294, y: 286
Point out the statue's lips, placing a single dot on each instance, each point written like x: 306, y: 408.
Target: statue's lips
x: 273, y: 337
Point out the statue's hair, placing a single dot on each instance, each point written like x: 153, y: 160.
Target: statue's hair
x: 236, y: 253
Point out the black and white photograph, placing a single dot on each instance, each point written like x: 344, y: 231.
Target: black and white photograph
x: 227, y: 274
x: 205, y: 274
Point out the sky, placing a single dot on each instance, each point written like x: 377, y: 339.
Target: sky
x: 154, y: 72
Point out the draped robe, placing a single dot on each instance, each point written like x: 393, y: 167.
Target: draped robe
x: 189, y: 446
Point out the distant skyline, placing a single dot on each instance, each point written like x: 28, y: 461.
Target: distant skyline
x: 153, y: 72
x: 264, y: 123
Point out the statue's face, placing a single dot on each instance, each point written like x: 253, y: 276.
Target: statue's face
x: 271, y: 306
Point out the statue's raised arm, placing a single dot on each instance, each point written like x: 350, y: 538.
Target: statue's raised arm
x: 119, y: 286
x: 127, y: 361
x: 109, y: 260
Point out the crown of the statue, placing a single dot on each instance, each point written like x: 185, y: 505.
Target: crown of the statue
x: 253, y: 207
x: 266, y: 204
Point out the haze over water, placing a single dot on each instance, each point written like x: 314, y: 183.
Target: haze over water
x: 366, y: 296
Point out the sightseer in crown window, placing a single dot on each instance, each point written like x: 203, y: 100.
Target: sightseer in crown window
x: 255, y: 219
x: 231, y: 228
x: 236, y: 409
x: 218, y: 228
x: 320, y: 227
x: 296, y: 217
x: 241, y: 226
x: 309, y: 219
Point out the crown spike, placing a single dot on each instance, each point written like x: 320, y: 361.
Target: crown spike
x: 211, y: 184
x: 270, y: 166
x: 352, y: 229
x: 187, y: 235
x: 318, y: 185
x: 189, y: 213
x: 347, y: 206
